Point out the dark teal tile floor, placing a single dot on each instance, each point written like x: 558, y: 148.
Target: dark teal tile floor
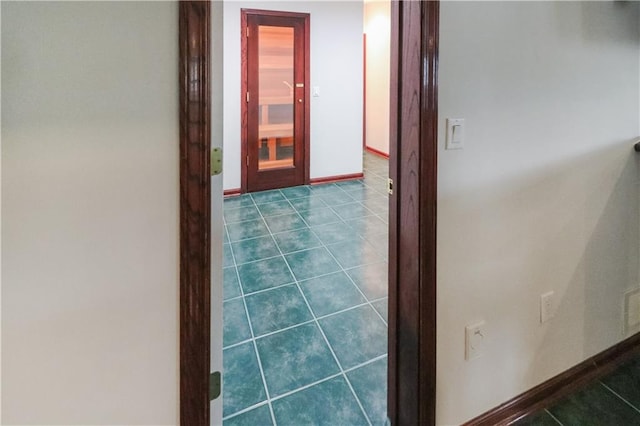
x: 611, y: 401
x: 305, y: 304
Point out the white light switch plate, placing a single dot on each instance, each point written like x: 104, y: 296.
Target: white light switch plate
x: 455, y: 133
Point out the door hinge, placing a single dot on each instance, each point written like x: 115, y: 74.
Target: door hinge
x: 215, y: 385
x: 247, y: 161
x: 247, y: 31
x: 247, y: 97
x: 216, y: 161
x: 390, y: 186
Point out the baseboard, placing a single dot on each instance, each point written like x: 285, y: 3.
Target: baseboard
x: 376, y: 152
x: 232, y: 192
x: 338, y: 178
x: 559, y: 386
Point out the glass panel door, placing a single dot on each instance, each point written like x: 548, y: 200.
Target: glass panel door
x: 276, y: 87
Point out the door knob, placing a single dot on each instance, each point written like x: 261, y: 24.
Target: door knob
x: 300, y: 100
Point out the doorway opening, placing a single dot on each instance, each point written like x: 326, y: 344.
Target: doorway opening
x: 306, y: 267
x: 413, y: 129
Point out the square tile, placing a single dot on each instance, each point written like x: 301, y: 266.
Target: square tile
x: 353, y: 253
x: 231, y: 285
x: 372, y: 279
x: 311, y: 263
x: 350, y: 184
x: 320, y: 216
x: 260, y: 416
x: 380, y: 243
x: 254, y: 249
x: 243, y: 386
x: 296, y: 192
x: 276, y: 309
x: 308, y: 203
x: 238, y: 201
x: 235, y: 324
x: 541, y: 418
x: 625, y: 381
x: 361, y: 193
x: 382, y: 306
x: 356, y: 336
x: 241, y: 214
x: 275, y: 208
x: 330, y: 403
x: 370, y: 385
x: 267, y: 196
x: 369, y: 226
x: 297, y: 240
x: 286, y: 222
x: 594, y: 405
x: 324, y: 188
x: 264, y: 274
x: 294, y: 358
x: 331, y: 293
x: 245, y: 230
x: 227, y: 256
x: 352, y: 211
x: 334, y: 232
x: 336, y: 198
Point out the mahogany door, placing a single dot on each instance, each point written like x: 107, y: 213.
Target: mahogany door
x: 276, y: 99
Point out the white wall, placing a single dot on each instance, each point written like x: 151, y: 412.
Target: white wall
x: 377, y: 26
x: 90, y: 213
x: 336, y: 67
x: 544, y: 196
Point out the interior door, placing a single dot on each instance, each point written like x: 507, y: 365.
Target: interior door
x: 277, y: 100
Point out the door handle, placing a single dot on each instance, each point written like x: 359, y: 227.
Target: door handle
x: 300, y: 100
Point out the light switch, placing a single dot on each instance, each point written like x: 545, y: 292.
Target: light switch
x: 316, y: 91
x: 455, y: 133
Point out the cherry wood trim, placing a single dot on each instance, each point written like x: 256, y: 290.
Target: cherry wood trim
x: 195, y: 211
x: 336, y: 178
x: 560, y: 386
x: 364, y: 90
x: 244, y: 113
x: 232, y: 192
x: 412, y: 213
x: 412, y: 246
x: 376, y: 152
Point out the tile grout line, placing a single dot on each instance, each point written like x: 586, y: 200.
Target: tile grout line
x: 342, y: 269
x: 244, y: 410
x: 307, y: 386
x: 297, y: 282
x: 618, y: 396
x: 335, y: 357
x: 553, y: 417
x: 255, y: 346
x: 321, y: 317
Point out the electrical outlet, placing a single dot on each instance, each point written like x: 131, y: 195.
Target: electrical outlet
x: 474, y: 337
x: 547, y: 307
x: 632, y: 309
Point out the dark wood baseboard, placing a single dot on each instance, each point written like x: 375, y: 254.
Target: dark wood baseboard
x: 376, y: 152
x: 338, y: 178
x: 560, y: 386
x: 232, y: 192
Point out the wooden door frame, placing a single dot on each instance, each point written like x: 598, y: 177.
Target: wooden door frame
x: 244, y: 147
x: 412, y: 166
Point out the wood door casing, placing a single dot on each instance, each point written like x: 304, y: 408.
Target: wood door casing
x: 254, y: 179
x: 412, y: 214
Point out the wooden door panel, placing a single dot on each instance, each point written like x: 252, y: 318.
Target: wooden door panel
x: 275, y: 132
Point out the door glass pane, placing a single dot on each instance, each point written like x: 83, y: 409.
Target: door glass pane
x: 276, y: 87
